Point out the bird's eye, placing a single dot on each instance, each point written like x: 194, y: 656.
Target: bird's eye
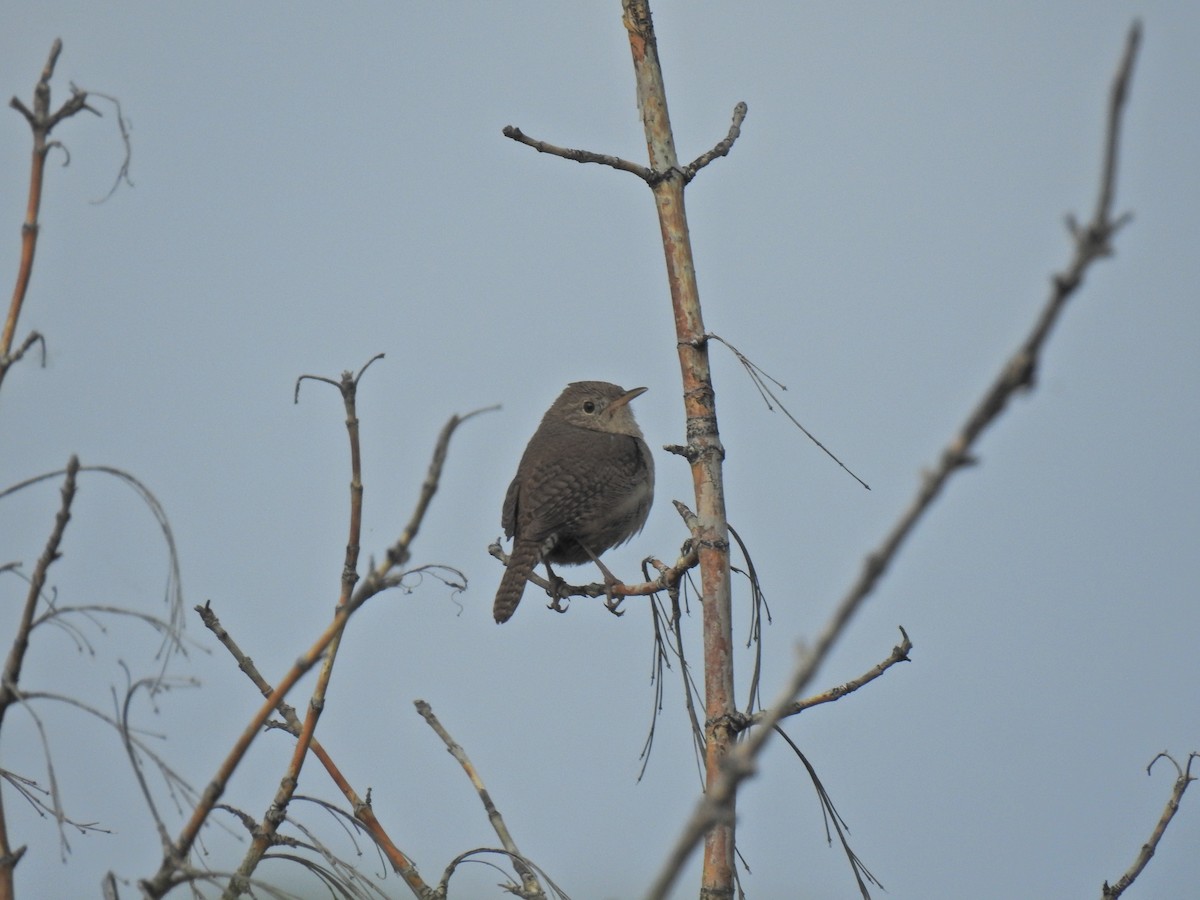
x: 589, y: 407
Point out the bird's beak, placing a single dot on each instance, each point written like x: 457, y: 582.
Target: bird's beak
x: 626, y: 397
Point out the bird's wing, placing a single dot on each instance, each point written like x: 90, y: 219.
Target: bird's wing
x: 556, y: 494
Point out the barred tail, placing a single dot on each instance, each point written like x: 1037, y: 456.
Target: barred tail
x: 525, y: 555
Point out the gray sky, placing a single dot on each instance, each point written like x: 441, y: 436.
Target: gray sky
x: 314, y: 187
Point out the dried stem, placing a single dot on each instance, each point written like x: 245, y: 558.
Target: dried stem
x: 899, y: 654
x: 650, y: 176
x: 175, y: 856
x: 264, y: 835
x: 579, y: 156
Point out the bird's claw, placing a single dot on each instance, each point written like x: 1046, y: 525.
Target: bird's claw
x: 556, y: 595
x: 612, y: 602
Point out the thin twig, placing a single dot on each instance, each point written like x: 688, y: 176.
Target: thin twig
x: 531, y: 888
x: 668, y: 641
x: 650, y: 176
x: 124, y: 127
x: 722, y: 148
x: 173, y: 863
x: 760, y: 379
x: 579, y: 156
x: 10, y: 679
x: 899, y: 654
x: 758, y: 607
x: 398, y: 554
x: 277, y: 811
x: 16, y: 654
x: 831, y: 815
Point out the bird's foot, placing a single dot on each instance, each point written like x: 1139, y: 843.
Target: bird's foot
x: 612, y: 602
x: 556, y: 593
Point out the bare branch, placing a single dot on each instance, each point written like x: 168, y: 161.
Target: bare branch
x: 531, y: 888
x: 668, y: 578
x: 276, y: 813
x: 580, y: 156
x: 16, y: 655
x: 41, y: 122
x: 174, y: 861
x: 692, y: 169
x: 1183, y: 778
x: 899, y: 654
x: 398, y: 554
x: 1017, y: 374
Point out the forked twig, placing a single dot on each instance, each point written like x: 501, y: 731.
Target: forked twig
x: 42, y: 123
x: 648, y: 175
x: 1184, y: 777
x: 363, y: 812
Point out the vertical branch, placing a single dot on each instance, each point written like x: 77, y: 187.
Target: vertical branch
x: 264, y: 836
x: 175, y: 855
x: 41, y: 122
x: 16, y: 655
x: 704, y: 449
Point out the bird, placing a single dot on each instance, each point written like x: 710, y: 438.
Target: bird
x: 585, y: 484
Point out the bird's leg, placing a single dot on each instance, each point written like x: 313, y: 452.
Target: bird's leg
x: 611, y: 602
x: 556, y: 586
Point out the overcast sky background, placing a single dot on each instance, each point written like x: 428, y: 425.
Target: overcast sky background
x: 314, y: 187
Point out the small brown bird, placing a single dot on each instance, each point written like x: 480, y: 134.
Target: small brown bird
x: 585, y: 484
